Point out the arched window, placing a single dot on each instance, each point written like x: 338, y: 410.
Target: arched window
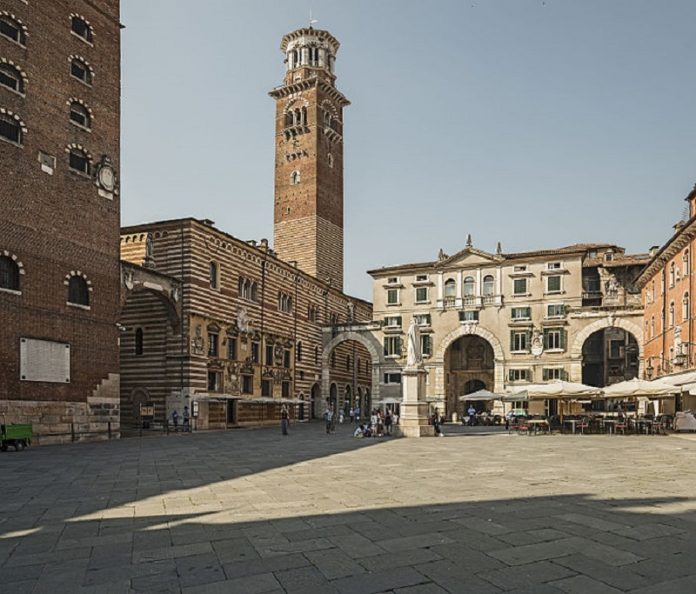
x: 213, y: 274
x: 652, y: 327
x: 672, y: 274
x: 139, y: 341
x: 295, y: 178
x: 9, y: 274
x: 450, y: 288
x: 11, y: 77
x: 304, y: 116
x: 488, y: 285
x: 79, y: 161
x: 298, y: 351
x: 289, y: 120
x: 686, y: 306
x: 82, y: 29
x: 11, y: 128
x: 13, y: 30
x: 81, y: 71
x: 78, y: 291
x: 469, y: 286
x: 80, y: 115
x: 254, y: 291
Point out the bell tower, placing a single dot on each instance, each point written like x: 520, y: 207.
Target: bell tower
x: 308, y: 213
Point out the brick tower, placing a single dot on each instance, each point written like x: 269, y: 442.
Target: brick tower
x: 60, y: 85
x: 308, y: 219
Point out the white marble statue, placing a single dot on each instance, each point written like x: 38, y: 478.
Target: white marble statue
x: 413, y: 356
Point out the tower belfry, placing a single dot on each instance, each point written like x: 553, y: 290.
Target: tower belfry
x: 308, y: 213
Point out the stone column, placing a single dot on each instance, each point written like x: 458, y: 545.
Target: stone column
x: 414, y: 409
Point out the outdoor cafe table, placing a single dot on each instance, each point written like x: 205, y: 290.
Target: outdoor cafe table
x: 538, y: 425
x: 610, y: 424
x: 571, y: 422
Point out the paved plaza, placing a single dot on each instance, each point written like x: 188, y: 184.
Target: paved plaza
x: 253, y: 512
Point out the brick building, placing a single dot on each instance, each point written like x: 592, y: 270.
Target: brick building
x: 59, y: 223
x: 667, y: 285
x: 252, y: 328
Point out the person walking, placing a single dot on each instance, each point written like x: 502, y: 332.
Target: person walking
x: 328, y: 417
x: 284, y: 419
x: 187, y: 420
x: 388, y: 423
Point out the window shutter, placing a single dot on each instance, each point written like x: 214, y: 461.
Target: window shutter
x: 510, y: 378
x: 512, y: 340
x: 545, y: 375
x: 528, y: 346
x: 564, y: 339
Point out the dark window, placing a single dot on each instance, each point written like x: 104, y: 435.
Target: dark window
x: 231, y: 348
x: 213, y: 349
x: 247, y: 384
x: 12, y: 30
x: 10, y: 129
x: 286, y: 359
x: 81, y: 71
x: 214, y: 381
x: 9, y: 274
x: 79, y: 161
x: 213, y: 275
x: 299, y: 351
x: 79, y: 115
x: 78, y: 292
x: 254, y: 352
x: 285, y: 390
x: 82, y: 29
x: 139, y: 341
x: 11, y: 78
x: 266, y: 388
x: 269, y: 354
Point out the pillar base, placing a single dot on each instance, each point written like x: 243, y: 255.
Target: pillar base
x: 414, y: 410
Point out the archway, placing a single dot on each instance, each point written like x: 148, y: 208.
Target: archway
x: 350, y: 359
x: 609, y: 356
x: 333, y: 397
x: 469, y: 366
x: 316, y: 405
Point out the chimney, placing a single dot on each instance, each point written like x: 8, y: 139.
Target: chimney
x: 264, y: 243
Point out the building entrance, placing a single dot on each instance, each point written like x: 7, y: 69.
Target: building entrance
x: 469, y: 367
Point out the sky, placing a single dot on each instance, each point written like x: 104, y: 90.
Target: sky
x: 536, y: 123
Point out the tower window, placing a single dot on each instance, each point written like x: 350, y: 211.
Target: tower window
x: 13, y: 30
x: 81, y: 71
x: 9, y: 274
x: 139, y: 341
x: 10, y: 128
x: 11, y: 78
x: 79, y: 161
x: 214, y: 277
x: 80, y: 115
x: 295, y: 178
x: 82, y: 29
x: 78, y: 291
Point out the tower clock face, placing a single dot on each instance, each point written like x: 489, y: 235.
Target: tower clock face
x: 107, y: 178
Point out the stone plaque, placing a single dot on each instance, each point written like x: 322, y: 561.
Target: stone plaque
x: 44, y: 361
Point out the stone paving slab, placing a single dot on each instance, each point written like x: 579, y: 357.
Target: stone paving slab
x: 301, y: 514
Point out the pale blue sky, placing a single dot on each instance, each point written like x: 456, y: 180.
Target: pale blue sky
x: 534, y: 123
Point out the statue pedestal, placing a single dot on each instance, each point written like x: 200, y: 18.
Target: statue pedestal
x: 413, y: 421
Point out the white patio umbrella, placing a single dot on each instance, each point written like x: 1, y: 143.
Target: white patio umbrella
x: 481, y: 395
x: 561, y: 390
x: 639, y: 387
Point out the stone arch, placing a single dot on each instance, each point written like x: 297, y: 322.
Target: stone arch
x: 469, y: 330
x: 602, y: 324
x: 367, y: 340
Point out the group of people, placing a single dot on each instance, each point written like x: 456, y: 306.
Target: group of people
x: 380, y: 424
x: 186, y: 417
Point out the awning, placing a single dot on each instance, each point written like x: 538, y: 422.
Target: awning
x: 638, y: 387
x: 516, y: 397
x: 480, y: 396
x: 561, y: 390
x: 389, y: 401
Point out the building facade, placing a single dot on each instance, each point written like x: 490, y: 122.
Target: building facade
x: 500, y: 321
x: 59, y: 224
x: 308, y: 212
x: 667, y: 286
x: 251, y: 336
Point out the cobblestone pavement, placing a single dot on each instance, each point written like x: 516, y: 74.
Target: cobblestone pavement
x: 254, y: 512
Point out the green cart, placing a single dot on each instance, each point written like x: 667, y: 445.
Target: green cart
x: 17, y: 436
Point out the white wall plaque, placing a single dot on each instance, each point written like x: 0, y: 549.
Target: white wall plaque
x: 44, y: 361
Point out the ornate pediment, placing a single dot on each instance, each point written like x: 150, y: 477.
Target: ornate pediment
x: 470, y: 257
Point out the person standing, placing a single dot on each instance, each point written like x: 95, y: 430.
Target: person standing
x: 284, y: 420
x: 388, y: 422
x: 328, y: 417
x: 187, y: 420
x: 357, y: 414
x: 175, y: 419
